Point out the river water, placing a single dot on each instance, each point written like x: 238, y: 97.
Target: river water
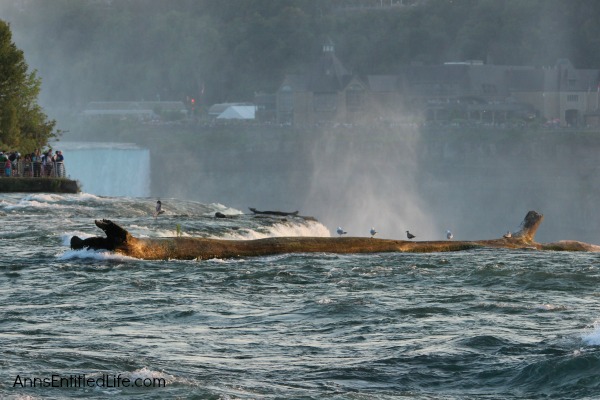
x: 481, y: 324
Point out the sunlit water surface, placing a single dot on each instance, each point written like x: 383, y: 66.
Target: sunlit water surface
x: 483, y: 324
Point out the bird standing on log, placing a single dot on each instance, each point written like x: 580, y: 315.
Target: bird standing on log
x: 159, y: 209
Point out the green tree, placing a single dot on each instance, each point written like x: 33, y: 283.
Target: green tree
x: 23, y: 124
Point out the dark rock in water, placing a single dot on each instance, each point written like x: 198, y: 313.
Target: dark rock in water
x: 276, y: 213
x: 121, y: 241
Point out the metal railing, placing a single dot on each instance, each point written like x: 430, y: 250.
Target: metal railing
x: 30, y: 169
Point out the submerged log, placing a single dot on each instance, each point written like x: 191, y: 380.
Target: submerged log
x: 120, y: 241
x: 277, y: 213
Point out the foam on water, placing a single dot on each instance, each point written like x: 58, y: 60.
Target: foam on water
x: 307, y: 229
x: 226, y: 261
x: 51, y: 201
x: 65, y: 238
x: 52, y: 198
x: 592, y: 338
x: 144, y: 231
x: 24, y: 397
x: 549, y: 307
x: 30, y: 203
x: 93, y: 255
x: 43, y: 197
x: 285, y: 229
x: 223, y: 209
x: 111, y: 207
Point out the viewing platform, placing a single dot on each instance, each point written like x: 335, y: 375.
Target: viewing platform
x: 29, y: 177
x: 37, y: 185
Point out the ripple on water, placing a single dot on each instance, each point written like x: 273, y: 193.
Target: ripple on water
x: 490, y: 324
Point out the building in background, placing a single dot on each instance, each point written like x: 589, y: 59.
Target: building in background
x: 469, y: 91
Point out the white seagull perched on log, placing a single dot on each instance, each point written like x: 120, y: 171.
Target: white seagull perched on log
x: 373, y: 232
x: 449, y: 235
x: 340, y: 231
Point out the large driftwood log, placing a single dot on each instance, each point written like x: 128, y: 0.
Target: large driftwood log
x: 119, y: 240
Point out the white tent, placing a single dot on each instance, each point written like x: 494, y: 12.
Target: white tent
x: 238, y: 112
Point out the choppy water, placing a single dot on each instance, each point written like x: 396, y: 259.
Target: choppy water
x: 483, y: 324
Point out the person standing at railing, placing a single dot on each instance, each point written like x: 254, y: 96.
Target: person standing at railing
x: 14, y: 157
x: 27, y: 169
x: 47, y: 163
x: 37, y: 163
x: 7, y: 167
x: 3, y: 160
x: 59, y: 164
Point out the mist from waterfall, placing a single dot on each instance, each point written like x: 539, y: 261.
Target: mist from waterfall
x: 108, y: 169
x: 361, y: 178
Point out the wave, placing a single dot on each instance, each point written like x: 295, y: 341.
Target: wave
x: 145, y: 231
x: 283, y: 229
x: 52, y: 198
x: 568, y: 372
x: 49, y: 201
x: 592, y: 338
x: 65, y: 238
x: 110, y: 207
x: 31, y: 203
x: 196, y: 216
x: 100, y: 255
x: 223, y: 209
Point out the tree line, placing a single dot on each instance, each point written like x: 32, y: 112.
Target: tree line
x: 216, y: 51
x: 23, y: 124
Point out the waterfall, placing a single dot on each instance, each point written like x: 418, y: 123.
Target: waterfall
x: 108, y: 169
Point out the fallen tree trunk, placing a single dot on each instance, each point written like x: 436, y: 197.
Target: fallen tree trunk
x: 119, y: 240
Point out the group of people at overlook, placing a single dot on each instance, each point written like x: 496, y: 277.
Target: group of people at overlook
x: 36, y: 165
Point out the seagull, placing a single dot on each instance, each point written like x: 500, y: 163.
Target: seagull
x: 449, y: 235
x: 410, y: 235
x: 507, y: 235
x: 340, y: 231
x: 159, y: 209
x: 373, y: 232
